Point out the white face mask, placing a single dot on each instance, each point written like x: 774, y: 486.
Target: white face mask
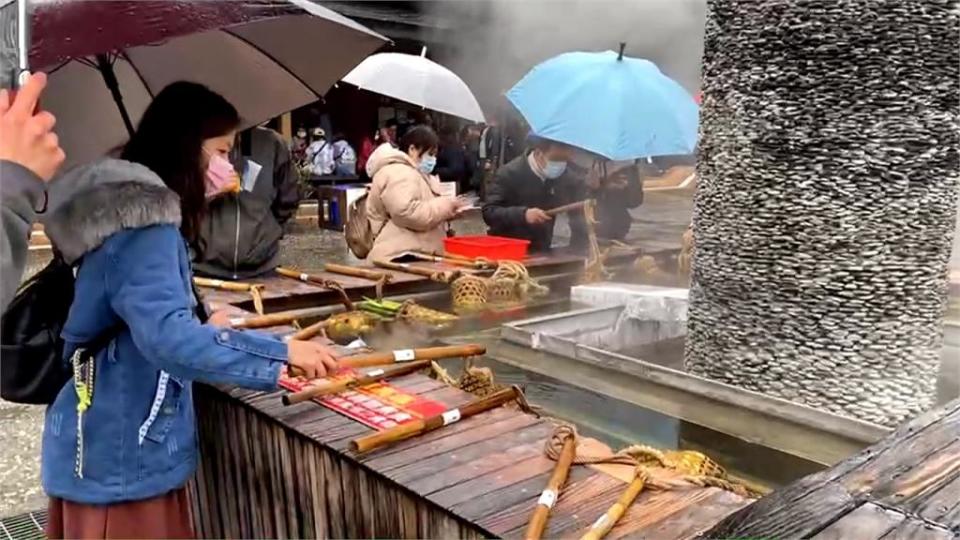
x: 554, y: 169
x: 427, y: 163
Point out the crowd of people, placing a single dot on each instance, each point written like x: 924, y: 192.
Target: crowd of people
x: 191, y: 193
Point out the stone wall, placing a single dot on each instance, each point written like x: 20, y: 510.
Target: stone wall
x: 826, y: 200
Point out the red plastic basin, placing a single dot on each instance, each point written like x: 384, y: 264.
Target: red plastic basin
x: 495, y: 248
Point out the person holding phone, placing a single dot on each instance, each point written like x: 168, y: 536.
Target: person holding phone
x: 405, y: 207
x: 30, y: 156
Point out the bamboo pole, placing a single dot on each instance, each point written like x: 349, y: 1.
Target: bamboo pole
x: 443, y: 276
x: 567, y: 208
x: 334, y: 387
x: 255, y: 289
x: 309, y: 332
x: 420, y: 426
x: 386, y: 358
x: 365, y: 273
x: 318, y: 280
x: 276, y: 319
x: 548, y: 497
x: 606, y: 522
x: 475, y: 264
x: 382, y: 278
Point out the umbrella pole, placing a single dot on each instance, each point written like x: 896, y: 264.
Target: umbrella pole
x: 105, y: 66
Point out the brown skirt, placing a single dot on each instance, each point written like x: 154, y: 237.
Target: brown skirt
x: 166, y: 516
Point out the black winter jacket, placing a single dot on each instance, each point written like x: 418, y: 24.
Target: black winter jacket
x: 515, y: 188
x: 240, y: 234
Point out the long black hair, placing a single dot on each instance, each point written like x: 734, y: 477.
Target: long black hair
x: 169, y: 141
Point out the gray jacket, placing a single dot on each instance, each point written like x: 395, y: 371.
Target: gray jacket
x: 22, y: 195
x: 240, y: 235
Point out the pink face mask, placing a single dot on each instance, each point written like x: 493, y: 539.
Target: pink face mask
x: 220, y: 177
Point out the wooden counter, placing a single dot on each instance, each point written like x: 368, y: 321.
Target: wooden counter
x: 269, y: 471
x: 906, y: 486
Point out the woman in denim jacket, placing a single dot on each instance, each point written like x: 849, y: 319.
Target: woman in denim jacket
x: 120, y: 441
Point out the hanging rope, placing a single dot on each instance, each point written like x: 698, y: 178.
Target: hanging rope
x: 594, y: 269
x: 336, y: 286
x: 256, y: 295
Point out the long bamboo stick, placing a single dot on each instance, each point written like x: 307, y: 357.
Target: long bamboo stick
x: 443, y: 276
x: 223, y: 285
x: 606, y: 522
x: 386, y: 358
x: 417, y: 427
x: 548, y: 497
x: 255, y: 289
x: 370, y: 377
x: 476, y: 264
x: 365, y: 273
x: 318, y: 280
x: 382, y: 278
x: 567, y: 208
x: 276, y: 319
x: 309, y: 332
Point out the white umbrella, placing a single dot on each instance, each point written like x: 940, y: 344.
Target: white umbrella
x: 275, y: 58
x: 416, y: 80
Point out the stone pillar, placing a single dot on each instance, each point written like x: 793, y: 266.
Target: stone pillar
x: 826, y: 199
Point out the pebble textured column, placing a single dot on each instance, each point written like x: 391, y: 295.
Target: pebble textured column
x: 825, y: 205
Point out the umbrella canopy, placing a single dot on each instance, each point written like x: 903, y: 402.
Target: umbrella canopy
x: 416, y: 80
x: 615, y: 106
x: 266, y: 58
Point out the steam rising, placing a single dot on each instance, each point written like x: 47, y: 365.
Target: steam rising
x: 495, y: 42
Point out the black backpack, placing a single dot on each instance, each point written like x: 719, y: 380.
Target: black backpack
x: 32, y: 367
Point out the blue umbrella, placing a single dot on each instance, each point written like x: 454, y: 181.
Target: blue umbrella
x: 612, y: 105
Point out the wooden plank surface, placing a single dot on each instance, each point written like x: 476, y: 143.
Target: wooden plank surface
x: 914, y: 473
x: 866, y: 522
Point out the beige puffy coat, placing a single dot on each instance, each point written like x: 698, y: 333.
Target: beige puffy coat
x: 405, y: 203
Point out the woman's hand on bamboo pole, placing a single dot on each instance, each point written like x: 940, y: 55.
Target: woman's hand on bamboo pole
x: 311, y: 360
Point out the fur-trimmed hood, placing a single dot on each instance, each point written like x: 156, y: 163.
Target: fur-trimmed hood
x: 89, y: 203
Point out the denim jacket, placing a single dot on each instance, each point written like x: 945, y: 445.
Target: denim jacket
x: 139, y: 436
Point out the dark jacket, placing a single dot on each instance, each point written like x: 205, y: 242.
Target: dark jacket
x: 240, y: 235
x: 139, y: 432
x: 613, y: 207
x: 515, y: 188
x: 452, y: 164
x: 21, y: 194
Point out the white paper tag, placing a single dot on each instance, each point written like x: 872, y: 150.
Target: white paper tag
x: 288, y: 338
x: 451, y: 416
x: 404, y: 355
x: 304, y: 277
x: 357, y: 344
x: 600, y: 522
x: 547, y: 498
x: 375, y: 373
x: 216, y: 283
x: 250, y: 174
x: 234, y: 322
